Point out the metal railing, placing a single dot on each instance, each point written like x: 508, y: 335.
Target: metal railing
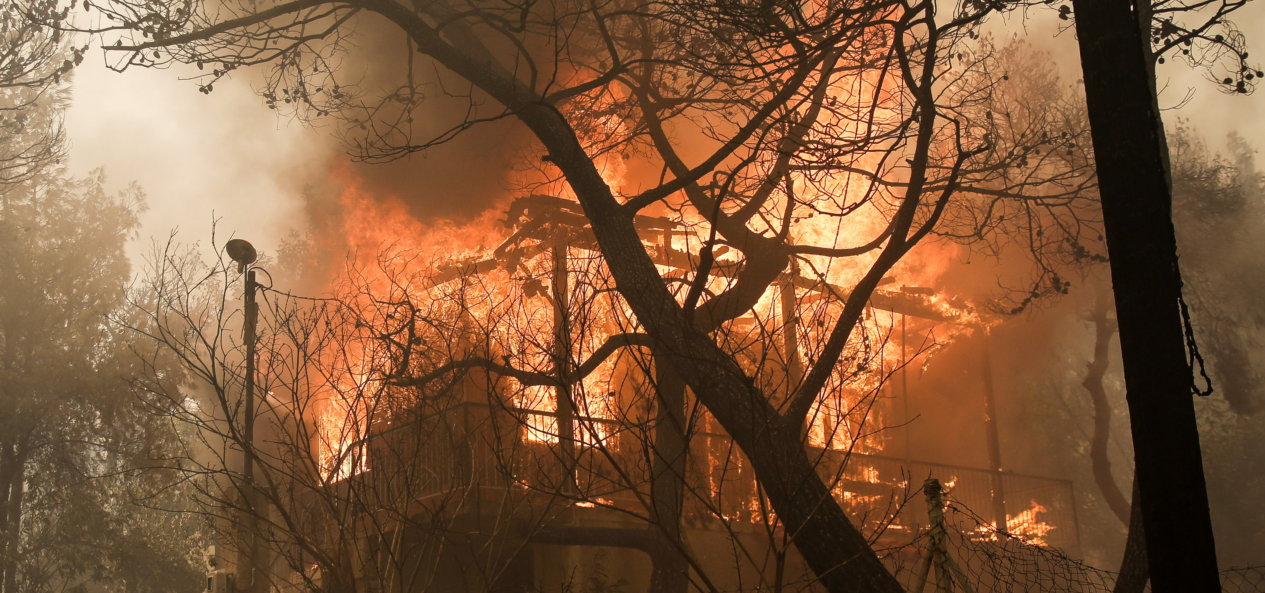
x: 476, y: 446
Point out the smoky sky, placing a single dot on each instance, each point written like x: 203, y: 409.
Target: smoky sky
x: 197, y: 157
x: 457, y: 180
x: 226, y: 155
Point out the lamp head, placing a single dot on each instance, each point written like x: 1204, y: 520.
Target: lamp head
x: 242, y: 252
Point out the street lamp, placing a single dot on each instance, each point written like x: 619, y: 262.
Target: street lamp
x: 244, y: 254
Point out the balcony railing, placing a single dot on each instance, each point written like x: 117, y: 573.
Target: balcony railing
x: 475, y: 447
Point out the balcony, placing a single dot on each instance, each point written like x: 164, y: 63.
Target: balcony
x: 473, y: 449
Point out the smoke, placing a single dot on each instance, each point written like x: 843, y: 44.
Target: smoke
x: 457, y: 180
x: 276, y: 182
x: 1184, y: 92
x: 197, y: 157
x: 1040, y: 358
x: 262, y: 175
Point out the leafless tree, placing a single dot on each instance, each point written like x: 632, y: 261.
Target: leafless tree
x: 820, y: 142
x: 312, y: 510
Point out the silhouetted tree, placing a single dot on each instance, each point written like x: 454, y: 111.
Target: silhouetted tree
x: 765, y: 121
x: 1118, y: 59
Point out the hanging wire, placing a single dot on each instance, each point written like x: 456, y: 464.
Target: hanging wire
x: 1193, y: 355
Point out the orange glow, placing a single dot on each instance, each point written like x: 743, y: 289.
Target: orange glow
x: 392, y: 253
x: 395, y: 254
x: 1026, y: 526
x: 341, y: 427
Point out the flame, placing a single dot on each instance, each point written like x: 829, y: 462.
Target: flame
x: 395, y: 253
x: 341, y: 429
x: 370, y: 224
x: 391, y: 253
x: 1026, y: 526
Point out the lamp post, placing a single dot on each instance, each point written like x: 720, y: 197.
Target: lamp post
x: 244, y: 254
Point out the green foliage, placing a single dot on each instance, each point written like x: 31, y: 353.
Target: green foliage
x: 1219, y: 213
x: 87, y: 450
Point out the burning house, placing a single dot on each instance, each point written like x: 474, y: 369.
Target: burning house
x: 497, y: 423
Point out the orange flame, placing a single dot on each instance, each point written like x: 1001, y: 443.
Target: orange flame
x: 1026, y: 526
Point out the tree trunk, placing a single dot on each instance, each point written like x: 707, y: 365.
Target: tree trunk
x: 835, y: 549
x: 994, y: 443
x: 12, y: 487
x: 1137, y: 214
x: 565, y: 406
x: 1133, y: 569
x: 832, y: 546
x: 1101, y: 463
x: 667, y: 486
